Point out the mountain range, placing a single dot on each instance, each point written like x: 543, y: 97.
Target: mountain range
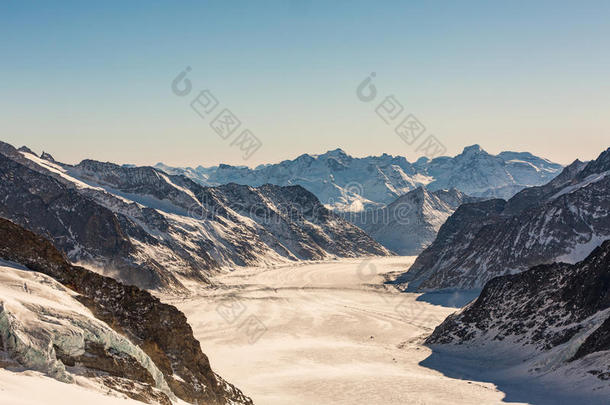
x: 561, y: 221
x: 154, y: 230
x: 538, y: 257
x: 346, y: 183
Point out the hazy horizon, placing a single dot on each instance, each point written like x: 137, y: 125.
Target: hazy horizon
x: 95, y: 80
x: 39, y: 151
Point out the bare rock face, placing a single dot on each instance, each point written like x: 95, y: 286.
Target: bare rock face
x: 26, y: 150
x: 160, y: 330
x: 47, y: 156
x: 563, y: 220
x: 107, y: 360
x: 557, y: 314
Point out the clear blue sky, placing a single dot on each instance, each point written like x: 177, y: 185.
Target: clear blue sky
x: 83, y: 79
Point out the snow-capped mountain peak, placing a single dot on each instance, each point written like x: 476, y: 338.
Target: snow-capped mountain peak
x: 349, y: 183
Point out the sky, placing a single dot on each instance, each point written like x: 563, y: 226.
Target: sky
x: 94, y: 79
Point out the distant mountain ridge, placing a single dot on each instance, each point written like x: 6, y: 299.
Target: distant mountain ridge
x: 563, y: 220
x: 353, y: 184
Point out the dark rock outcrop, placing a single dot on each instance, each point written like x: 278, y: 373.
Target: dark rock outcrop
x: 160, y: 330
x: 559, y: 308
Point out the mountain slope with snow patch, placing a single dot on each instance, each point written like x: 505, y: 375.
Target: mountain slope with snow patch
x: 551, y: 322
x: 409, y: 225
x: 563, y: 220
x: 154, y: 230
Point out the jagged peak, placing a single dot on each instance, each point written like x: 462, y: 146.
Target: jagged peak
x: 576, y: 166
x: 93, y: 163
x: 418, y: 193
x: 335, y: 153
x: 47, y: 156
x: 26, y: 150
x: 304, y: 156
x: 599, y: 165
x: 224, y: 166
x: 473, y: 150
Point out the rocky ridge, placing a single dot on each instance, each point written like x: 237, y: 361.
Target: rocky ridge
x: 154, y: 230
x: 563, y: 220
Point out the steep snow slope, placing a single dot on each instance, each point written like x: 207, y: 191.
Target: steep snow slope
x: 34, y: 388
x: 409, y: 225
x: 551, y: 322
x: 42, y: 324
x: 563, y: 220
x: 353, y: 184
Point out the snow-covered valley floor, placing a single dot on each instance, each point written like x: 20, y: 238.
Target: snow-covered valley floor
x: 316, y: 333
x: 325, y: 333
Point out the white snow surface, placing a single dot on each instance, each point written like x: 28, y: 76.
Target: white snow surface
x: 588, y: 180
x: 333, y: 334
x: 36, y: 313
x: 34, y: 388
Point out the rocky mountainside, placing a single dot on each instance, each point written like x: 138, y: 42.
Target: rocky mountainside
x: 552, y: 319
x: 154, y: 230
x: 353, y: 184
x: 70, y: 323
x: 563, y: 220
x: 409, y: 225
